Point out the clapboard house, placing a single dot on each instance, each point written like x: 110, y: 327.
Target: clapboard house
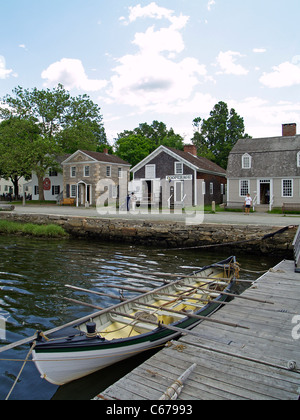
x: 266, y: 168
x: 172, y: 177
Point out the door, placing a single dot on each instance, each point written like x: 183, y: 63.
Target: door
x: 265, y: 190
x: 178, y: 191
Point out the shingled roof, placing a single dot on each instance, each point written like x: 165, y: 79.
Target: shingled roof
x: 271, y: 157
x: 101, y: 157
x: 200, y: 162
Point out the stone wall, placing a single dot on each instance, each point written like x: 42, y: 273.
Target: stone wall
x: 171, y: 234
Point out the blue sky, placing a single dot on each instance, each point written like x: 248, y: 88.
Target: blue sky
x: 165, y: 60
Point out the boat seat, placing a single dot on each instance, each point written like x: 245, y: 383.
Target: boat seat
x: 161, y: 312
x: 128, y: 321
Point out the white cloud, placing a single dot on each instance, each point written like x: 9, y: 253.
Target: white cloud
x: 166, y: 39
x: 210, y: 4
x: 71, y: 73
x: 259, y: 50
x: 151, y: 11
x: 152, y: 78
x: 227, y: 62
x: 264, y: 118
x: 4, y: 72
x: 147, y: 80
x: 285, y: 75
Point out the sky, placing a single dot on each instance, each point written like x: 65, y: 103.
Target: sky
x: 165, y: 60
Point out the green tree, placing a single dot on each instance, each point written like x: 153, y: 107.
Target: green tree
x: 133, y: 146
x: 216, y: 136
x: 65, y: 124
x: 18, y: 140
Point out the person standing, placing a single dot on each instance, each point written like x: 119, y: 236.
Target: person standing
x: 133, y: 201
x: 248, y: 204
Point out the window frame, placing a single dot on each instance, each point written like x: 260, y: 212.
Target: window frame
x: 246, y: 158
x: 243, y: 190
x: 285, y: 188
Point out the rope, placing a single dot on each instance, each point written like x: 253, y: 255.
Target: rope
x: 17, y: 378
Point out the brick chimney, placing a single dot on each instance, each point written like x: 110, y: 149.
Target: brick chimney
x: 289, y: 130
x: 190, y: 148
x: 105, y: 151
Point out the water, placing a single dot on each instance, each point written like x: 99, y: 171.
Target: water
x: 33, y: 274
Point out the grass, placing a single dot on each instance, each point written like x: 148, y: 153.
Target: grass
x: 31, y: 229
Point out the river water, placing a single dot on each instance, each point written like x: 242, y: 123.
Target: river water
x: 33, y: 274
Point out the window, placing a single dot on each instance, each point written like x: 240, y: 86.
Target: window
x: 55, y: 189
x: 73, y: 171
x: 211, y: 188
x: 120, y: 173
x: 298, y: 159
x: 73, y: 191
x: 108, y: 171
x: 246, y: 161
x: 244, y: 187
x: 287, y: 188
x: 150, y: 171
x: 178, y: 168
x: 203, y: 188
x: 52, y: 172
x: 86, y: 171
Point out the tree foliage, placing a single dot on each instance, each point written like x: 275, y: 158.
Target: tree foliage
x: 133, y: 146
x: 64, y: 123
x: 216, y: 136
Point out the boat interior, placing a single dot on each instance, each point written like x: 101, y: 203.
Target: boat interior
x: 167, y: 305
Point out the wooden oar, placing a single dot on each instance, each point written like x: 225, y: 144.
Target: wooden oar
x: 172, y: 311
x: 140, y: 319
x: 194, y: 275
x: 121, y: 298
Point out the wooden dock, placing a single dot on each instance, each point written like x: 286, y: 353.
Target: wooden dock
x: 259, y: 363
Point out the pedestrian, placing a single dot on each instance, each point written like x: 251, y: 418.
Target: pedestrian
x: 128, y: 202
x: 133, y: 201
x: 248, y: 203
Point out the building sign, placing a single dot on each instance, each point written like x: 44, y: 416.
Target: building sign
x: 179, y: 178
x: 47, y: 184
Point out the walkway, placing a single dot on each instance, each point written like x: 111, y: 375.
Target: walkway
x: 261, y: 363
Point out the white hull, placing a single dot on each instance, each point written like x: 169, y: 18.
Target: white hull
x: 61, y: 368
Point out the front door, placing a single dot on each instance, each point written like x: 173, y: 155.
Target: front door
x: 265, y: 191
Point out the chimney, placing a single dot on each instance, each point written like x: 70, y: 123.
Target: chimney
x: 289, y: 130
x: 190, y: 148
x: 105, y: 151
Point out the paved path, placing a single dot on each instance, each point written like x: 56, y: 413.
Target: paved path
x: 218, y: 218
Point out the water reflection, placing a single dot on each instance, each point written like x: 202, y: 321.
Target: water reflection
x: 33, y: 274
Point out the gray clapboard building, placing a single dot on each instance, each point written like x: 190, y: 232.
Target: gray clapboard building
x: 266, y: 168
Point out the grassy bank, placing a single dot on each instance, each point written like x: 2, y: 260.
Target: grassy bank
x: 31, y: 229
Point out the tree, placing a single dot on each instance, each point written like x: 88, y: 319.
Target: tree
x: 216, y: 136
x: 133, y: 146
x: 17, y: 145
x: 65, y: 124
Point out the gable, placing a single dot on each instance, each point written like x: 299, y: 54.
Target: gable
x: 194, y: 163
x: 79, y: 157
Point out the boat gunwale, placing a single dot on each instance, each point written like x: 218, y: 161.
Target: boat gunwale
x: 62, y: 345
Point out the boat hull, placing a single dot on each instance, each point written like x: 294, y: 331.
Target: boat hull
x: 61, y: 368
x: 71, y: 356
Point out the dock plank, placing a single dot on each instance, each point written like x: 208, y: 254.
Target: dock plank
x: 232, y: 363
